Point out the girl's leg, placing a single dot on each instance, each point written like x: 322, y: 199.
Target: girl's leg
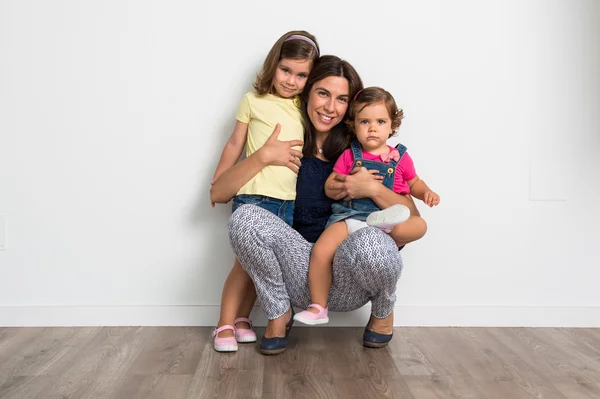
x: 234, y: 291
x: 411, y: 230
x: 276, y: 257
x: 321, y: 258
x: 247, y: 304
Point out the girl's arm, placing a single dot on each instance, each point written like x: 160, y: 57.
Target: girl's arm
x: 233, y: 149
x: 420, y: 190
x: 274, y: 152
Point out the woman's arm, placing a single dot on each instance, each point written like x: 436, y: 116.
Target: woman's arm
x: 363, y: 183
x: 385, y: 198
x: 274, y: 152
x: 332, y: 193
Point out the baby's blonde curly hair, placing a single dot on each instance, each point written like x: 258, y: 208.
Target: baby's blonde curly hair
x: 375, y: 95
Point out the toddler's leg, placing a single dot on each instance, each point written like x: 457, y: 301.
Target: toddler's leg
x: 411, y: 230
x: 234, y: 291
x: 321, y: 258
x: 320, y: 275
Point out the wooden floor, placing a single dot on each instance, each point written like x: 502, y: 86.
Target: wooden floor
x: 179, y: 362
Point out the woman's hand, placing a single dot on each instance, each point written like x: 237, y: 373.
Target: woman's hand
x: 281, y: 153
x: 363, y: 183
x: 360, y: 183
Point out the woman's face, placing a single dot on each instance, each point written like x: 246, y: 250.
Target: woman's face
x: 327, y: 102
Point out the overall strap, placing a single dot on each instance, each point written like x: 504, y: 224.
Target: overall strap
x: 356, y: 150
x: 401, y: 150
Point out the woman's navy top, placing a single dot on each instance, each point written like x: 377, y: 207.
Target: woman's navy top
x: 312, y: 208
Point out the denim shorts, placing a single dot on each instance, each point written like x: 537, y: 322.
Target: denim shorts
x: 281, y: 208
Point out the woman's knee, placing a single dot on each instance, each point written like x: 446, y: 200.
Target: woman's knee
x: 371, y: 240
x: 243, y: 216
x: 371, y: 248
x: 248, y: 224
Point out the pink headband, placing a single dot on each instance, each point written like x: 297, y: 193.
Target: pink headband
x: 356, y: 95
x: 306, y: 39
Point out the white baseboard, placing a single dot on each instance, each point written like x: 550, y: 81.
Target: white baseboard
x: 207, y: 315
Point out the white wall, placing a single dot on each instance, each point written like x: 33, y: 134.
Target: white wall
x: 113, y: 114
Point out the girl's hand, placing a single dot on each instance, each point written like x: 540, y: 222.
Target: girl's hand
x: 281, y: 153
x: 431, y: 198
x: 360, y: 183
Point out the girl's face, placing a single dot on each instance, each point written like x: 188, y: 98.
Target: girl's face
x: 373, y: 126
x: 327, y: 102
x: 290, y: 77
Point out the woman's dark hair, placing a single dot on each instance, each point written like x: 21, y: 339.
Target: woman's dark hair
x: 339, y: 137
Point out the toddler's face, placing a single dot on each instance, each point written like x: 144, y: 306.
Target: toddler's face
x: 373, y: 126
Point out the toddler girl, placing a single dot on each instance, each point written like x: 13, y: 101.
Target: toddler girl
x: 374, y: 117
x: 274, y: 101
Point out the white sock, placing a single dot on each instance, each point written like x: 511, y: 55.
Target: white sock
x: 354, y: 225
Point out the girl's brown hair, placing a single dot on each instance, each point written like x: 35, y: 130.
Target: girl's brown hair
x: 295, y: 49
x: 339, y: 137
x: 375, y: 95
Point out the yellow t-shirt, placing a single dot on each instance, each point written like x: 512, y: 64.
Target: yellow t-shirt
x: 262, y: 113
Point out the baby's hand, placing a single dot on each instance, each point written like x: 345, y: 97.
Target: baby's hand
x: 431, y: 198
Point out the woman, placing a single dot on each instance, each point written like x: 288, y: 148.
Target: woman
x: 367, y: 264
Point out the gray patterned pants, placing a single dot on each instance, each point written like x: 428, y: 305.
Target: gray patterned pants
x: 366, y: 266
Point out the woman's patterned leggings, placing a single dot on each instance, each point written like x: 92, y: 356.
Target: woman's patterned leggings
x: 366, y: 266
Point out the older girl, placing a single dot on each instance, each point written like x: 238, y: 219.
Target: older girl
x: 274, y: 101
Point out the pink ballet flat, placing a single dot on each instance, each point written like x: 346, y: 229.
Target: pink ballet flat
x: 313, y: 319
x: 244, y: 335
x: 228, y: 344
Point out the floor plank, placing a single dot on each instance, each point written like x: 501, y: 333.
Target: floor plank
x: 331, y: 362
x: 170, y: 350
x: 419, y: 363
x: 228, y: 375
x: 40, y: 353
x: 432, y: 366
x: 98, y: 367
x: 561, y: 367
x: 161, y: 386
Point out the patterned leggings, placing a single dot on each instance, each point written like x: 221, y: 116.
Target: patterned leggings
x: 366, y: 266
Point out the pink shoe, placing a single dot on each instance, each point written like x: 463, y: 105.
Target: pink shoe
x: 312, y: 319
x: 243, y: 334
x: 228, y: 344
